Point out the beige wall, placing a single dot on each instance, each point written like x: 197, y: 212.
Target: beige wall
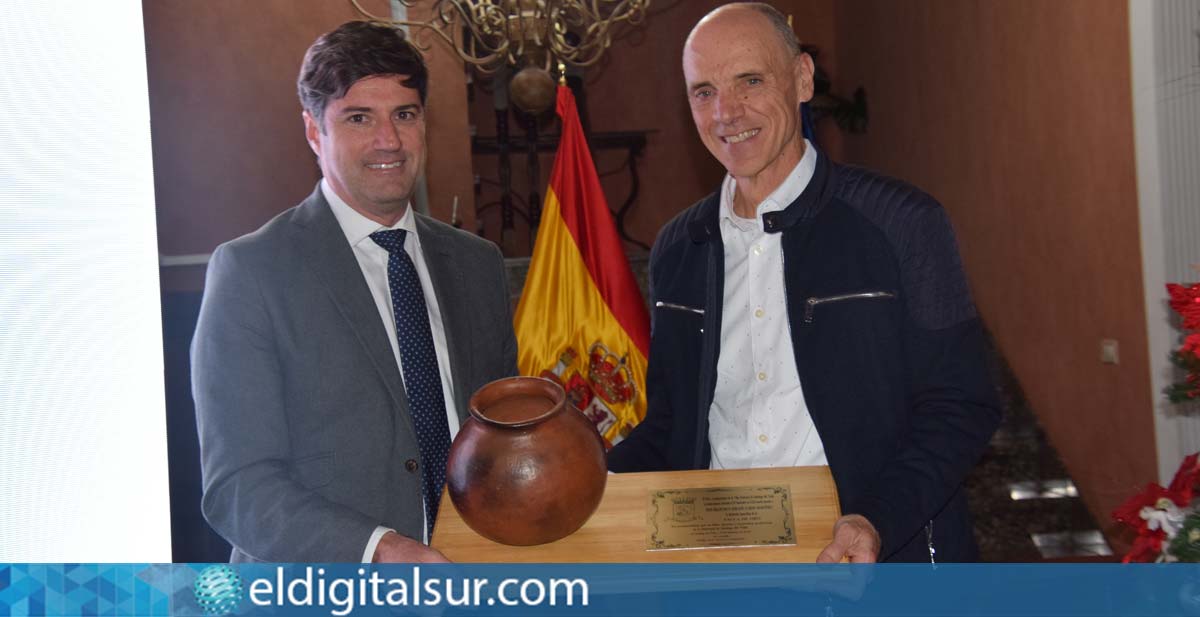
x: 229, y: 148
x: 1017, y: 115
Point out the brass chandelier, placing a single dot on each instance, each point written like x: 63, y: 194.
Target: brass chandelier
x: 490, y: 34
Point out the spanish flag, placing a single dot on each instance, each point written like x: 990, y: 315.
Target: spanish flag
x: 581, y: 320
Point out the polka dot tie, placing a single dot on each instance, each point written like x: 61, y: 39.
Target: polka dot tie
x: 422, y: 382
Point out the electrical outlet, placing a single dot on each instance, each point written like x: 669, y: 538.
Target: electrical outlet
x: 1109, y: 351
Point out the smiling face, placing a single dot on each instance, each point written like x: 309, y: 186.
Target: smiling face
x: 745, y: 87
x: 371, y: 146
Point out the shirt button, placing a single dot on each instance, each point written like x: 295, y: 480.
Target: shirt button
x: 757, y: 249
x: 759, y: 313
x: 411, y: 465
x: 762, y: 376
x: 762, y: 438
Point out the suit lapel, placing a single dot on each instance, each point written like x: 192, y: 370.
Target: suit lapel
x: 332, y: 258
x: 446, y: 274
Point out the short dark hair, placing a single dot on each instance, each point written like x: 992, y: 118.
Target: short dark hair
x: 352, y: 51
x: 779, y: 22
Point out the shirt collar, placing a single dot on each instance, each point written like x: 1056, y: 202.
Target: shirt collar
x: 358, y: 227
x: 780, y: 198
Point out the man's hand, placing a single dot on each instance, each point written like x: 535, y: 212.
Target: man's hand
x: 395, y: 548
x: 854, y: 538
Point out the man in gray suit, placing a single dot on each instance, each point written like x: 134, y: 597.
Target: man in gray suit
x: 339, y: 344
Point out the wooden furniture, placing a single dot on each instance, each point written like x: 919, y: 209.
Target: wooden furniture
x: 617, y: 531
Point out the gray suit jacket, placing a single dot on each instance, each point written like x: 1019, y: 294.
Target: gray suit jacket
x: 306, y: 442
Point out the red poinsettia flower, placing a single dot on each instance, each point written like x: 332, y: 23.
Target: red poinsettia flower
x: 1191, y: 344
x: 1149, y: 542
x: 1130, y: 512
x: 1190, y: 386
x: 1146, y: 547
x: 1185, y: 300
x: 1183, y: 485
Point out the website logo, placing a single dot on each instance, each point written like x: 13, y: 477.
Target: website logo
x: 218, y: 590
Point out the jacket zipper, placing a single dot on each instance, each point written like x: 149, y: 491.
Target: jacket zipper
x: 929, y: 541
x: 810, y: 305
x: 708, y: 351
x: 678, y: 307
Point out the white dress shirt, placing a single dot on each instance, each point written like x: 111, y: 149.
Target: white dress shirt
x: 758, y: 417
x: 373, y: 260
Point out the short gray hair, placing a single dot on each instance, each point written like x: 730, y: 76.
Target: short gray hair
x: 779, y: 21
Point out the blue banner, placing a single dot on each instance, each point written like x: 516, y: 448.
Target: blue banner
x: 593, y: 589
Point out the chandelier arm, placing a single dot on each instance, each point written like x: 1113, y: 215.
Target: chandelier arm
x: 483, y: 23
x: 597, y: 13
x: 488, y: 29
x: 601, y: 32
x: 560, y: 19
x: 481, y: 19
x: 628, y: 10
x: 525, y: 34
x: 583, y: 56
x: 597, y: 40
x: 638, y: 14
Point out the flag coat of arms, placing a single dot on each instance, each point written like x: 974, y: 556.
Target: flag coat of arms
x: 581, y: 320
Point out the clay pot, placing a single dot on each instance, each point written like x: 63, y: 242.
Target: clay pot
x: 526, y: 467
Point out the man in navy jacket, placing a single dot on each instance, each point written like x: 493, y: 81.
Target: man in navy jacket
x: 810, y: 313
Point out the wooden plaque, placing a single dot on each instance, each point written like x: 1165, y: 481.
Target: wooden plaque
x: 617, y: 531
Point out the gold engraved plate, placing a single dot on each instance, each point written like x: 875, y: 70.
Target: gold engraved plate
x: 719, y: 517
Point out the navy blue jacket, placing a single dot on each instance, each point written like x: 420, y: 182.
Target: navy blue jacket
x: 888, y: 346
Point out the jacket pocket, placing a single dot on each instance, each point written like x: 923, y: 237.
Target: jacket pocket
x: 811, y: 304
x: 314, y: 471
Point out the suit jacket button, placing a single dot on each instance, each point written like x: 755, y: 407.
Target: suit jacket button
x: 411, y: 465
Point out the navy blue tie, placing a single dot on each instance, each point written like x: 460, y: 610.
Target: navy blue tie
x: 422, y: 381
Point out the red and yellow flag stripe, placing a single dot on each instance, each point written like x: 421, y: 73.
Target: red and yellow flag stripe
x: 580, y: 290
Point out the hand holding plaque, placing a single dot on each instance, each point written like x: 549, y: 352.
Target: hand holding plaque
x: 854, y: 539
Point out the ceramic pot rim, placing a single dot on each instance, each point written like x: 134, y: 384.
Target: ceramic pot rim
x: 548, y: 388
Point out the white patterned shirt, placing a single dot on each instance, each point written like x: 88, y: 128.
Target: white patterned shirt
x: 758, y: 417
